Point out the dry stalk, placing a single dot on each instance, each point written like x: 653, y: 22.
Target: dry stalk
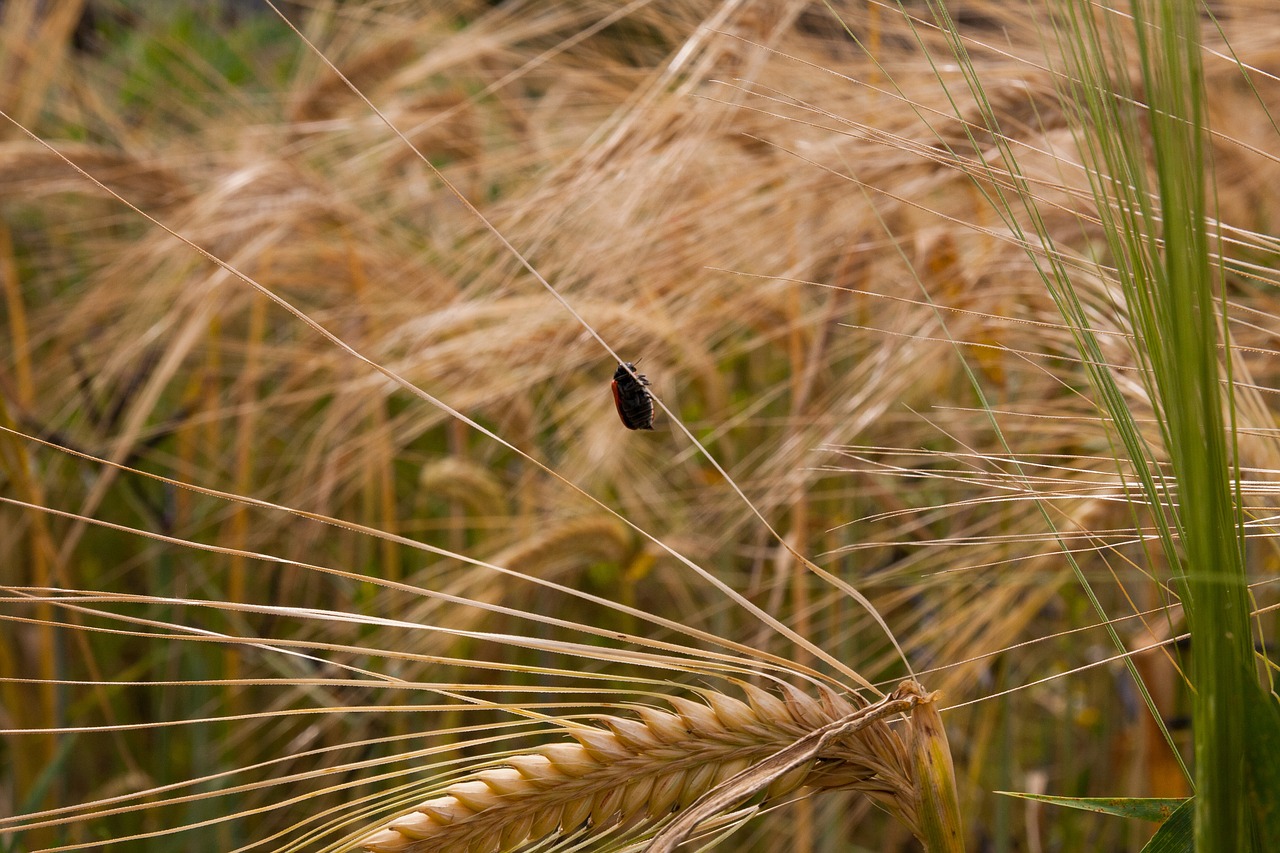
x: 642, y: 770
x: 30, y: 171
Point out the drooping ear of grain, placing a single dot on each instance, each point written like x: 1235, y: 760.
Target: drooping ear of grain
x: 643, y: 770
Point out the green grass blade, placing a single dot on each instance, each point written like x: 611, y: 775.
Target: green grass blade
x: 1177, y: 834
x: 1171, y: 291
x: 1153, y: 809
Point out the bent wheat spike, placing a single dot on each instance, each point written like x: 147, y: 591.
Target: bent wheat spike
x: 641, y: 770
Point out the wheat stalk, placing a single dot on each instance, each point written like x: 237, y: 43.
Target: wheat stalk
x: 642, y: 770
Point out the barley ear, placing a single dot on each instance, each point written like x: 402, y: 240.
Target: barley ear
x: 799, y: 754
x: 937, y: 805
x: 699, y: 761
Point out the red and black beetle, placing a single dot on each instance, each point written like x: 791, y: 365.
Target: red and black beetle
x: 635, y: 405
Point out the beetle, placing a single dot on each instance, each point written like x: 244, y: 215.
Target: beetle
x: 632, y: 397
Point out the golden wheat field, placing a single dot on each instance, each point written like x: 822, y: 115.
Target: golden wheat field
x: 319, y: 530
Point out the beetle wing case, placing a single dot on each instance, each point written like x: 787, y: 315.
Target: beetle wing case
x: 632, y: 398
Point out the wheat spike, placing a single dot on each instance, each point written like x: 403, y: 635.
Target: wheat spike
x: 644, y: 769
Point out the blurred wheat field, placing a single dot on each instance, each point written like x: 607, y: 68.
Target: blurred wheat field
x: 260, y: 596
